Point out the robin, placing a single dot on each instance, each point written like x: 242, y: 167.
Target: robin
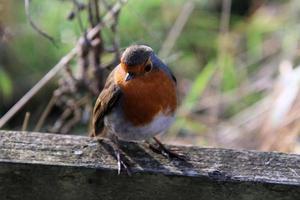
x: 138, y: 101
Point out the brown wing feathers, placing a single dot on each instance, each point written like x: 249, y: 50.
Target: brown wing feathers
x: 105, y: 102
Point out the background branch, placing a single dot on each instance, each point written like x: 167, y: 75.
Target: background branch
x: 34, y: 26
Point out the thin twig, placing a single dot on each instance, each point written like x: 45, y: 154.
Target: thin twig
x: 34, y: 26
x: 225, y: 16
x: 77, y: 13
x: 70, y: 123
x: 61, y: 64
x: 97, y: 12
x: 45, y: 114
x: 175, y: 31
x: 76, y: 114
x: 40, y: 84
x: 94, y: 18
x: 59, y: 122
x: 107, y: 18
x: 25, y: 122
x: 115, y: 43
x: 91, y: 14
x: 222, y: 52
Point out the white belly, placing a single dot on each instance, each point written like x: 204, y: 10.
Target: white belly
x: 126, y: 131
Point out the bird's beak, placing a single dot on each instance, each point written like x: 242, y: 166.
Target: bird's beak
x: 129, y: 76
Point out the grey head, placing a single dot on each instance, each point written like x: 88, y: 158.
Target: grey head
x: 136, y: 55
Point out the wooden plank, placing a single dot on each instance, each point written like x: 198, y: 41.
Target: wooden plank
x: 52, y: 166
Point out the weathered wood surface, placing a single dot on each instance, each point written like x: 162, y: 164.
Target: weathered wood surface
x: 48, y: 166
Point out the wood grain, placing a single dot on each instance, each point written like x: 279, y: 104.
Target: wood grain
x: 53, y: 166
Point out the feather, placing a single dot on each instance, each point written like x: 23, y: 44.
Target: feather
x: 110, y: 94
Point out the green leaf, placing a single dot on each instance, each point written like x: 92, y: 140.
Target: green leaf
x: 5, y: 84
x: 254, y: 44
x: 229, y: 73
x: 198, y: 86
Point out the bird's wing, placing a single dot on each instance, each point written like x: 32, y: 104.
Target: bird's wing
x: 106, y: 100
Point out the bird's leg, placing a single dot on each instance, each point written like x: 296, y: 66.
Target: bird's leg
x: 119, y: 156
x: 161, y: 149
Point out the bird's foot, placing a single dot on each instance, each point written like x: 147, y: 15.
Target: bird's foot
x: 122, y: 163
x: 121, y: 160
x: 161, y: 149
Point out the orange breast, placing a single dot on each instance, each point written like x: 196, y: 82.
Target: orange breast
x: 146, y: 96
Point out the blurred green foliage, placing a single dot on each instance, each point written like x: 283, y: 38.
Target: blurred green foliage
x: 140, y: 22
x: 202, y: 52
x: 5, y: 84
x: 198, y: 86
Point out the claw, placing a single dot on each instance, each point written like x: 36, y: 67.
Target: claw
x: 125, y: 166
x: 161, y: 149
x: 120, y: 158
x: 121, y: 163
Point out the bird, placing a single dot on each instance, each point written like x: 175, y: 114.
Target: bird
x: 138, y: 101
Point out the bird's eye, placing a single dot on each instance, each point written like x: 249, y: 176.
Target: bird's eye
x: 148, y: 68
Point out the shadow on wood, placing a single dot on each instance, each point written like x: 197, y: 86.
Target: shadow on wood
x: 52, y: 166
